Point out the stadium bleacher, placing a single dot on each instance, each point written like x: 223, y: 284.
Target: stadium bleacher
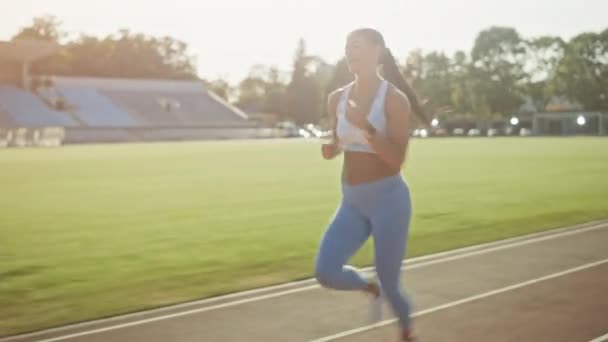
x: 6, y: 120
x: 46, y: 110
x: 95, y: 109
x: 28, y: 110
x: 115, y: 110
x: 152, y: 102
x: 145, y: 106
x: 198, y: 109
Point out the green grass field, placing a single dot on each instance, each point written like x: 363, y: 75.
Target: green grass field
x: 92, y: 231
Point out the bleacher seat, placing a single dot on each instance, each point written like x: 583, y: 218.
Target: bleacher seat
x: 96, y: 109
x: 145, y: 106
x: 6, y: 120
x: 204, y: 108
x: 146, y: 101
x: 28, y: 110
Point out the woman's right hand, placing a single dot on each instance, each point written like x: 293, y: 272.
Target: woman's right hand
x: 330, y: 150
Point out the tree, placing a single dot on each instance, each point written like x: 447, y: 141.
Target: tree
x: 582, y: 73
x: 498, y: 57
x: 123, y: 54
x: 461, y: 92
x: 263, y: 90
x: 414, y: 67
x: 275, y: 92
x: 542, y: 57
x: 341, y: 76
x: 175, y: 57
x: 304, y: 91
x: 431, y: 75
x: 435, y: 82
x: 114, y: 56
x: 220, y: 88
x: 47, y: 28
x: 251, y: 93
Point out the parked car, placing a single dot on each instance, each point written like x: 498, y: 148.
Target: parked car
x: 525, y: 132
x: 458, y: 131
x: 420, y: 133
x: 440, y: 132
x: 293, y: 131
x: 492, y: 132
x: 305, y: 133
x: 317, y: 131
x: 474, y: 132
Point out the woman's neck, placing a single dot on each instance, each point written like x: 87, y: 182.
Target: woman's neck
x: 367, y: 82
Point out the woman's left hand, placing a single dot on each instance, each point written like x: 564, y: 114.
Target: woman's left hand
x: 356, y: 117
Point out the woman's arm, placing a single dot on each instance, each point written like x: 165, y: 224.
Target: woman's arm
x: 332, y: 149
x: 392, y: 147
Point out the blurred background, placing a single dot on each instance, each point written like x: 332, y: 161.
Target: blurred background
x: 109, y: 222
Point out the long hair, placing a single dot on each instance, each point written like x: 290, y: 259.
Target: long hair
x: 391, y: 71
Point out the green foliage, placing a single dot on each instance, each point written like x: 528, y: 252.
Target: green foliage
x: 263, y: 91
x: 124, y: 54
x: 304, y: 92
x: 46, y: 28
x: 582, y: 73
x: 503, y: 68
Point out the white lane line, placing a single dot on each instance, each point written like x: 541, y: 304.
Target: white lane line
x: 177, y: 314
x: 502, y: 246
x: 600, y: 339
x: 417, y: 263
x: 466, y: 300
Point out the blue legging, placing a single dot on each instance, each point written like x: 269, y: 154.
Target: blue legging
x: 381, y: 209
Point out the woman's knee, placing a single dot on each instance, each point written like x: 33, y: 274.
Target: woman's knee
x: 326, y: 273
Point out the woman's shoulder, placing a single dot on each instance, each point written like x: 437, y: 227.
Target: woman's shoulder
x: 338, y: 92
x: 335, y: 96
x: 396, y: 101
x: 394, y: 95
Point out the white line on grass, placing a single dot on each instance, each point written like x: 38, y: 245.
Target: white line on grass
x: 302, y: 286
x: 468, y: 300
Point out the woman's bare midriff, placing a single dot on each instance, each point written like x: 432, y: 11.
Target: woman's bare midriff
x: 361, y: 167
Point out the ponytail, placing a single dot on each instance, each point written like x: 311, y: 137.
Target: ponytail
x: 394, y: 76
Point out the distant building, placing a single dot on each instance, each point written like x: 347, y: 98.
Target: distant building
x: 561, y: 116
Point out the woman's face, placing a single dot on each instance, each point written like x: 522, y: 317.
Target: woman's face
x: 361, y: 54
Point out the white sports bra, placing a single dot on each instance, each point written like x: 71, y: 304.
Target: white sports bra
x: 351, y: 137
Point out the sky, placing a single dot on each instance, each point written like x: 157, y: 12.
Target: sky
x: 229, y: 36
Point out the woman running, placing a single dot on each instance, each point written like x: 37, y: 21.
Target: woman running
x: 371, y: 125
